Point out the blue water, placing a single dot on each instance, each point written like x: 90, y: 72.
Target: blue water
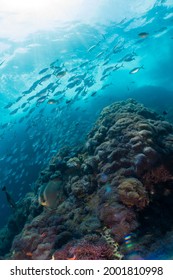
x: 82, y: 65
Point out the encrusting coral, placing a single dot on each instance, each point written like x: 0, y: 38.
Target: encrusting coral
x: 116, y: 176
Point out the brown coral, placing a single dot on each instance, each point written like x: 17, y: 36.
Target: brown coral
x: 132, y: 193
x: 159, y: 174
x: 91, y: 247
x: 99, y: 185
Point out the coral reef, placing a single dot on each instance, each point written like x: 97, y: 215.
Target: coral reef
x: 91, y: 247
x: 132, y: 193
x: 120, y: 176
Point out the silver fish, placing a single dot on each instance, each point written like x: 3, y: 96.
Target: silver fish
x: 136, y: 70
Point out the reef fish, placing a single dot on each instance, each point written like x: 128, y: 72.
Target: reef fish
x: 136, y: 70
x: 51, y: 101
x: 43, y: 71
x: 9, y: 198
x: 8, y: 105
x: 2, y: 62
x: 143, y: 35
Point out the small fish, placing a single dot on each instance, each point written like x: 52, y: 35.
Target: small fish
x: 136, y: 70
x: 81, y: 76
x: 100, y: 54
x: 73, y: 69
x: 72, y: 78
x: 2, y: 62
x: 105, y: 86
x: 84, y: 64
x: 8, y: 105
x: 92, y: 48
x: 143, y: 35
x: 26, y: 92
x: 118, y: 47
x: 59, y: 92
x: 31, y: 110
x: 41, y: 99
x: 128, y: 57
x: 108, y: 69
x: 24, y: 105
x: 106, y: 62
x: 43, y: 71
x: 9, y: 198
x: 61, y: 74
x: 164, y: 113
x: 162, y: 29
x: 44, y: 79
x: 68, y: 101
x: 49, y: 86
x: 41, y: 92
x: 14, y: 111
x: 53, y: 64
x: 51, y: 101
x: 79, y: 89
x: 31, y: 97
x: 94, y: 93
x: 118, y: 67
x: 76, y: 82
x: 104, y: 77
x: 19, y: 98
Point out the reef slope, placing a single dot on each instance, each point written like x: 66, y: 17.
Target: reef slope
x: 92, y: 201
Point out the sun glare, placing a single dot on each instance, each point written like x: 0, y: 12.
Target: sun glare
x: 19, y: 18
x: 40, y: 6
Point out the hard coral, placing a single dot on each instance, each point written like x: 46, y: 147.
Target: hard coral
x: 103, y: 183
x: 86, y: 185
x: 119, y: 219
x: 159, y: 174
x: 88, y: 248
x: 38, y: 237
x: 73, y: 163
x: 132, y: 193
